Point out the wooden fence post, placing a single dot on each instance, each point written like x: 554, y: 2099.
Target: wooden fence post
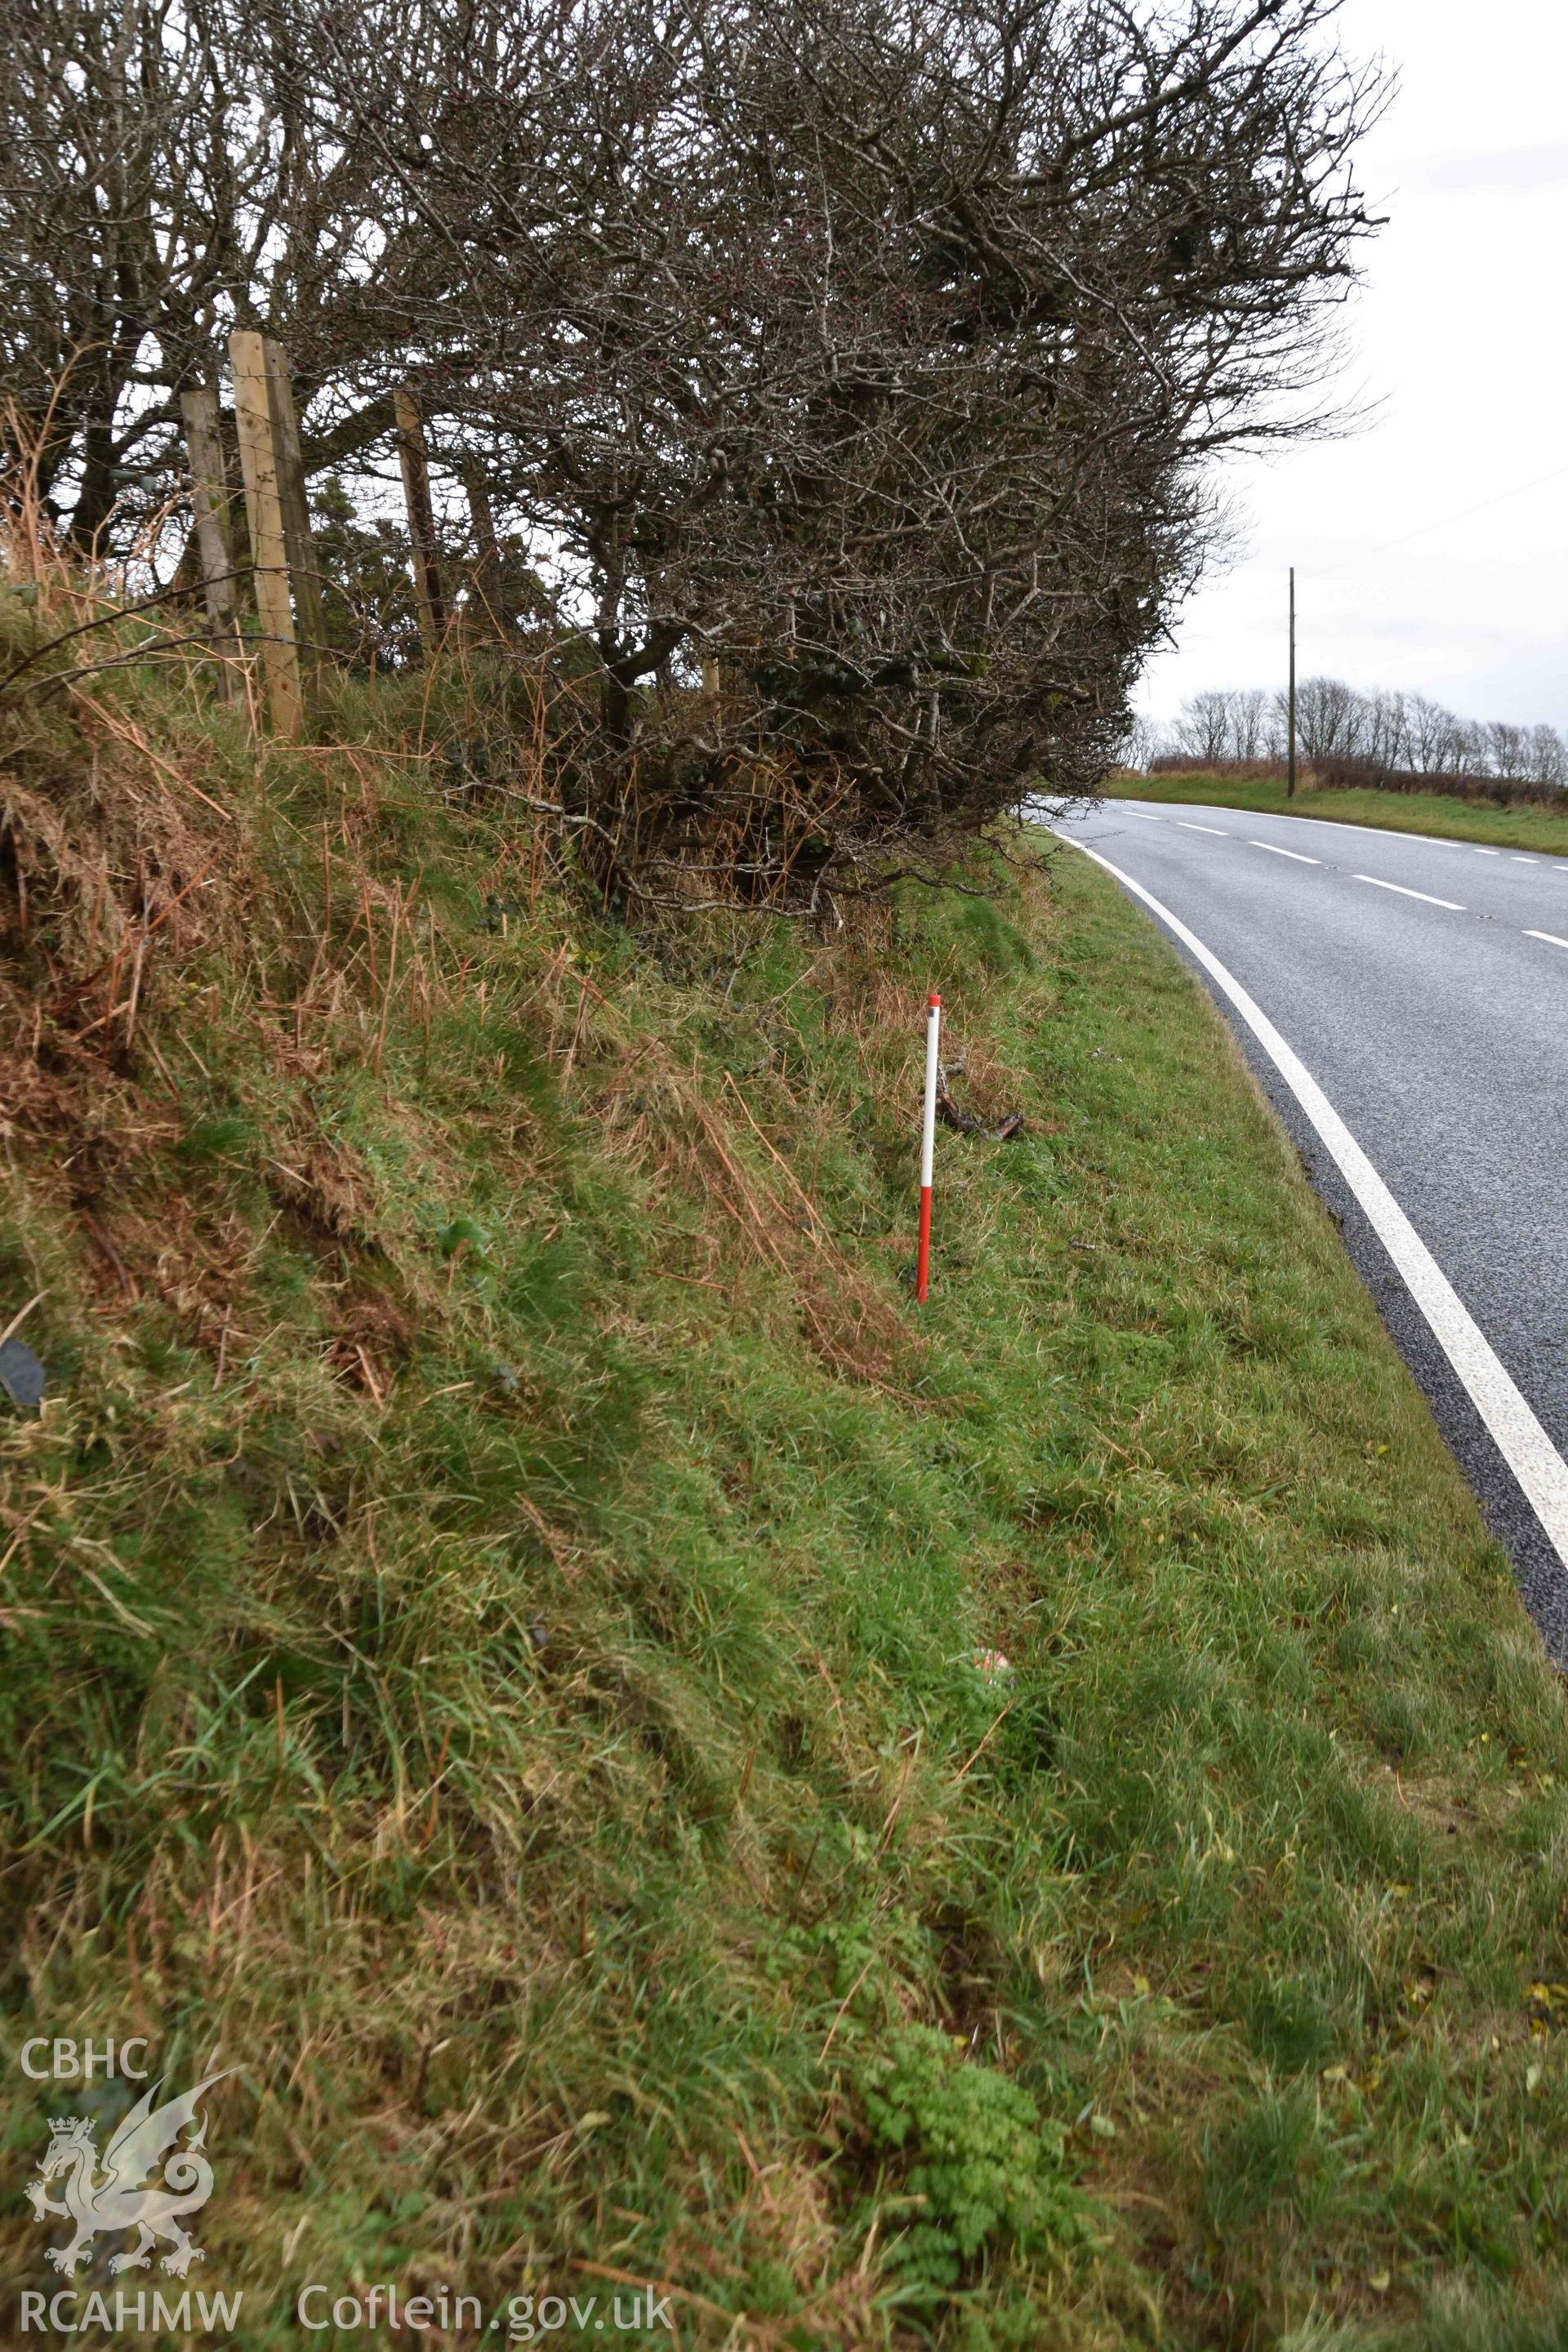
x: 258, y: 459
x: 485, y: 590
x: 303, y: 576
x: 215, y: 533
x: 421, y: 518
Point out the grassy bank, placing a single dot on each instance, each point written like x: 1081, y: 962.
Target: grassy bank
x: 1541, y: 829
x: 497, y: 1601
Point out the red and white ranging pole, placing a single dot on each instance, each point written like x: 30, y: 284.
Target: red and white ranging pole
x: 928, y: 1141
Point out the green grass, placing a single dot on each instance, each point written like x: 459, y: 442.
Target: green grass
x: 495, y: 1595
x: 1544, y: 829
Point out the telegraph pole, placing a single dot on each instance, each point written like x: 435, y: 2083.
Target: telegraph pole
x: 1291, y: 701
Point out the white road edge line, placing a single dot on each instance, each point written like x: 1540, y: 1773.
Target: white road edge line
x: 1425, y: 896
x: 1203, y: 828
x: 1295, y: 854
x: 1540, y: 1469
x: 1550, y: 937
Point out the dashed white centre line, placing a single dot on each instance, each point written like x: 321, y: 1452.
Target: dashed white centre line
x: 1550, y: 937
x: 1425, y: 896
x: 1478, y: 852
x: 1300, y: 858
x: 1527, y: 861
x: 1203, y: 828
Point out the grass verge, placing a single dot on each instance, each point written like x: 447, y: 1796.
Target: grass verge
x: 1540, y: 829
x: 497, y: 1607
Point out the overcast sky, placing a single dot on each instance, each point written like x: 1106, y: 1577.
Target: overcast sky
x: 1460, y: 339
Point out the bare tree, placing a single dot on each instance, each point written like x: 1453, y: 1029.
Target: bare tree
x: 1506, y: 750
x: 1139, y: 747
x: 1433, y: 736
x: 1203, y: 731
x: 1385, y: 732
x: 855, y: 360
x: 1251, y: 724
x: 1330, y: 720
x: 1546, y: 758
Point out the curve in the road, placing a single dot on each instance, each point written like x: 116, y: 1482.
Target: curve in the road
x: 1533, y: 1459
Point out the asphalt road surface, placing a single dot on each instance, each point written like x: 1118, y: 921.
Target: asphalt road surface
x: 1424, y: 986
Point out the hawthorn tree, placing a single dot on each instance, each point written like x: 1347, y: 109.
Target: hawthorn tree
x: 862, y: 359
x: 850, y: 370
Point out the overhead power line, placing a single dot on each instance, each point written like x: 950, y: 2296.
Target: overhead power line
x: 1480, y: 507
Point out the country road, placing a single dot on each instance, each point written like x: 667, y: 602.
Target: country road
x: 1424, y: 986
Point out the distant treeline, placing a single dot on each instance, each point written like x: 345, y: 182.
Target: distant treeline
x: 1399, y: 742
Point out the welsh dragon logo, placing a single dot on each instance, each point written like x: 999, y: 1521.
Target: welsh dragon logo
x: 120, y: 2198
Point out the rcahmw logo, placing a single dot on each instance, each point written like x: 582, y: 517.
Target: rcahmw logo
x: 152, y: 2174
